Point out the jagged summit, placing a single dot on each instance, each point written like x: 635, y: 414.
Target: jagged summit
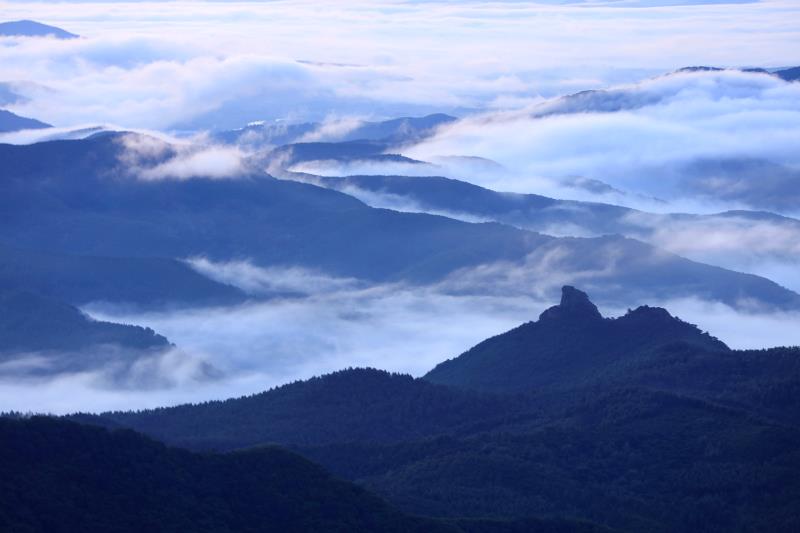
x: 646, y: 312
x: 574, y: 304
x: 571, y: 343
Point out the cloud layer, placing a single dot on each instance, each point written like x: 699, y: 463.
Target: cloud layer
x: 206, y: 64
x: 645, y: 138
x: 338, y: 324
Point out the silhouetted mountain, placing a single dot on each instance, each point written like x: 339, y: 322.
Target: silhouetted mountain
x: 572, y: 350
x: 642, y: 422
x: 10, y: 122
x: 77, y: 197
x: 60, y: 476
x: 570, y: 344
x: 362, y: 405
x: 30, y: 28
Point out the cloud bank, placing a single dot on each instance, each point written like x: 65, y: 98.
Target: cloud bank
x: 265, y: 343
x: 643, y: 138
x: 149, y: 157
x: 213, y: 64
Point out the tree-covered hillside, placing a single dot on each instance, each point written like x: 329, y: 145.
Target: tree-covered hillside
x: 63, y: 477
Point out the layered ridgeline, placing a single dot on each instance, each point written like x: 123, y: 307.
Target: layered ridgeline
x: 758, y: 182
x: 459, y: 199
x: 642, y: 422
x: 59, y: 476
x: 131, y: 197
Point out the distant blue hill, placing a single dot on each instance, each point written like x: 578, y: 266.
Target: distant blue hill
x: 10, y: 122
x: 31, y: 28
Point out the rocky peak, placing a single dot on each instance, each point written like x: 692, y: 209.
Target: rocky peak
x: 575, y: 304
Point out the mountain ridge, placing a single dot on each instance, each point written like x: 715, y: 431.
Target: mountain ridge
x: 526, y: 357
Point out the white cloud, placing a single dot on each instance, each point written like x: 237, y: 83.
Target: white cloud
x: 155, y: 64
x: 664, y: 125
x: 153, y: 158
x: 260, y: 281
x: 769, y: 247
x: 333, y: 128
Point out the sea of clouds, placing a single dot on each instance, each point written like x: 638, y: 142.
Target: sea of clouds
x: 186, y: 67
x: 222, y: 64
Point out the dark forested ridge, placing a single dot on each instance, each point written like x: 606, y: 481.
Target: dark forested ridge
x: 59, y: 476
x: 633, y: 460
x: 364, y: 405
x: 64, y: 477
x: 640, y: 423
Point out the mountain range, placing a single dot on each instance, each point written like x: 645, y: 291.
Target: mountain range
x: 678, y: 232
x: 76, y: 198
x: 336, y: 318
x: 637, y: 422
x: 81, y: 225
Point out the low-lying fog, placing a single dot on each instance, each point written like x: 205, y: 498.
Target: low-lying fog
x: 261, y: 344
